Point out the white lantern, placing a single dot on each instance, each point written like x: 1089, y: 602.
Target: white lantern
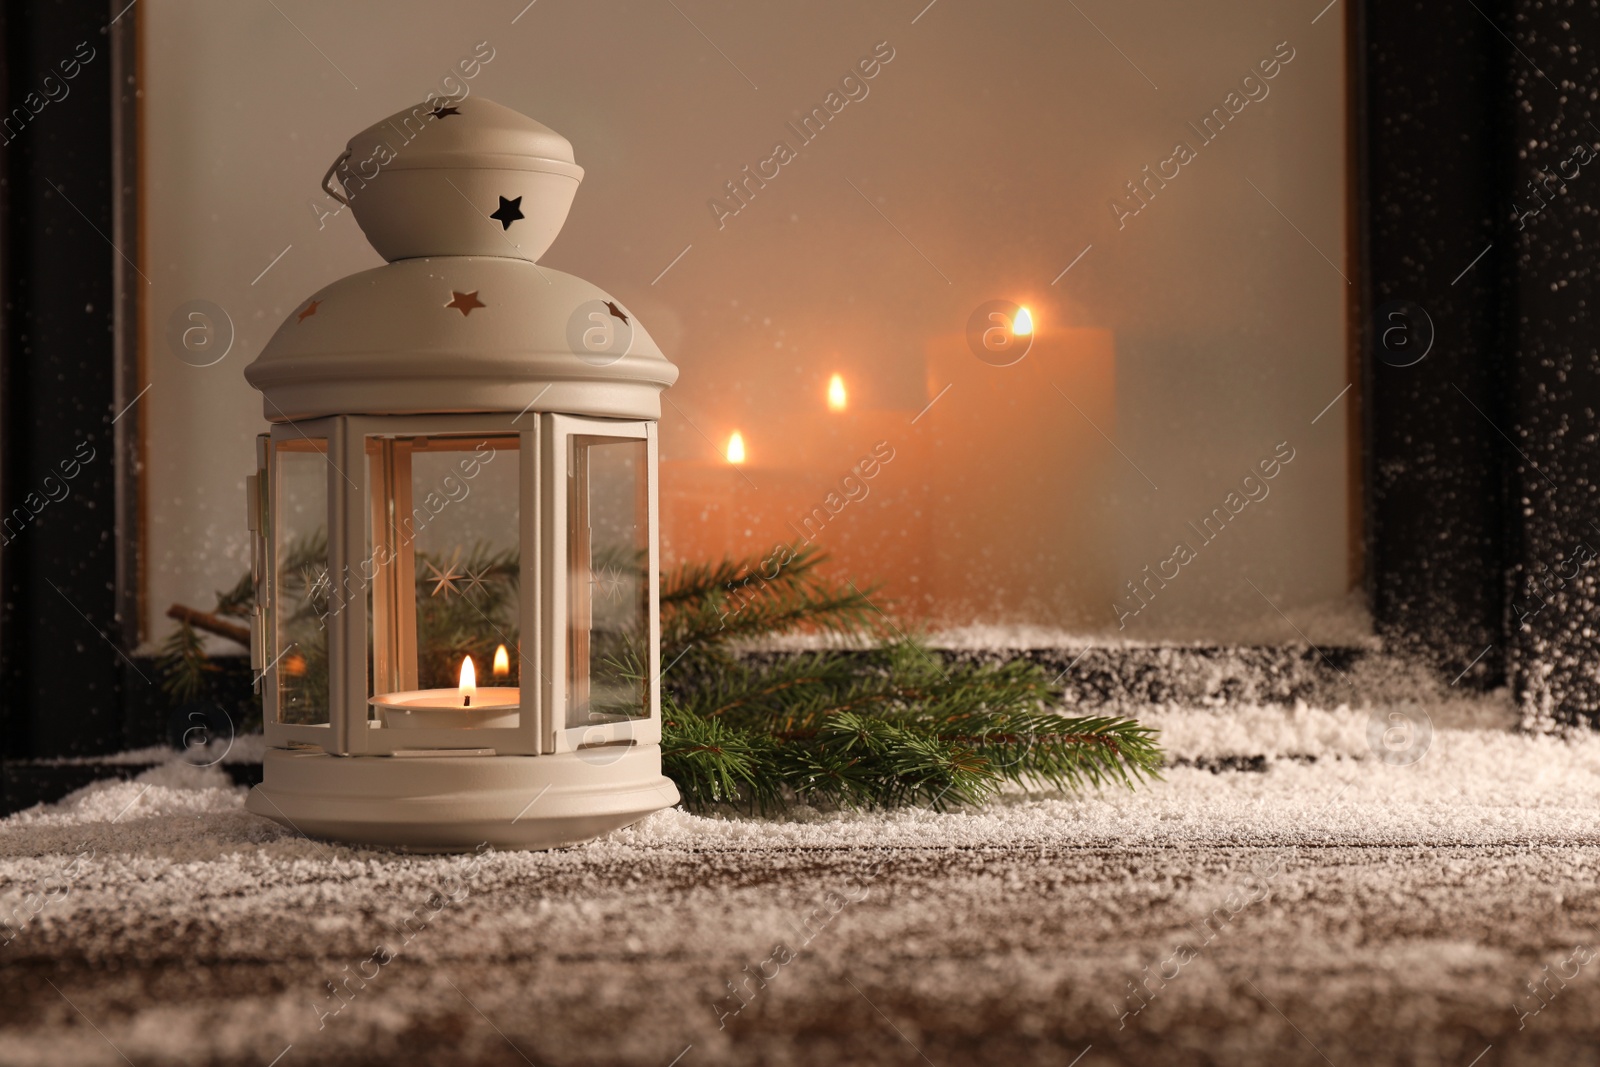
x: 455, y: 513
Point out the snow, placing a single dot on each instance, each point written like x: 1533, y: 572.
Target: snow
x: 245, y: 748
x: 1412, y: 902
x: 1344, y: 622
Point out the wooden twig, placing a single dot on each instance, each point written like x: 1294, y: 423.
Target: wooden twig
x: 204, y: 620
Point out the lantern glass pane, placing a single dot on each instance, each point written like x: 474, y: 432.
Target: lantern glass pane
x: 298, y: 657
x: 444, y: 530
x: 608, y: 593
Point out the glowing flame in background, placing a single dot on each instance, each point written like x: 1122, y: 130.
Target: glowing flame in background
x: 502, y: 662
x: 1022, y: 325
x: 836, y: 394
x: 736, y: 448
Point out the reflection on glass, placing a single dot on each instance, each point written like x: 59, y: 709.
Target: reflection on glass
x: 300, y: 600
x: 608, y: 594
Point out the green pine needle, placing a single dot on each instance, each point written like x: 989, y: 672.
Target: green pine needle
x: 183, y: 665
x: 706, y: 607
x: 887, y: 725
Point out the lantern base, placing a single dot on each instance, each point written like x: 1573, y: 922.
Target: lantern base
x: 458, y: 803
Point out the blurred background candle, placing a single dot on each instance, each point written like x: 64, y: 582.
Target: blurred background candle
x: 917, y: 499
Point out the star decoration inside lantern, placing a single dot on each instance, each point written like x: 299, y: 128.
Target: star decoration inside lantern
x: 609, y: 583
x: 311, y: 309
x: 465, y: 302
x: 442, y: 112
x: 476, y: 580
x: 444, y: 581
x: 316, y: 582
x: 508, y: 212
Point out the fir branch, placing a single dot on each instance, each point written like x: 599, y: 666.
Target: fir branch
x: 183, y: 664
x: 713, y: 764
x: 707, y: 606
x: 240, y: 601
x: 885, y: 725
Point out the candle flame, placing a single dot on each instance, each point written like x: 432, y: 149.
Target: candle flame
x: 469, y: 682
x: 502, y: 662
x: 836, y: 395
x: 1022, y: 325
x: 736, y: 448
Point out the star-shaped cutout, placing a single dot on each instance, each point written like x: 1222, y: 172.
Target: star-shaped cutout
x: 311, y: 309
x: 508, y: 212
x: 444, y: 581
x: 616, y: 312
x: 465, y: 302
x: 441, y: 112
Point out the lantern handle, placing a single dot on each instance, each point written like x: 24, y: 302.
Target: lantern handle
x: 327, y: 179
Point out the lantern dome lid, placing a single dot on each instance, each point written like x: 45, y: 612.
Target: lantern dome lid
x: 457, y: 178
x: 473, y: 132
x: 461, y: 334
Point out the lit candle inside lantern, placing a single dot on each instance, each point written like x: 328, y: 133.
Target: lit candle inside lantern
x: 1022, y: 325
x: 465, y: 705
x: 502, y: 663
x: 836, y: 394
x: 736, y: 448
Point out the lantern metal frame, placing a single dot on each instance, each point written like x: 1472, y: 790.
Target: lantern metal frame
x: 539, y: 784
x: 543, y: 535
